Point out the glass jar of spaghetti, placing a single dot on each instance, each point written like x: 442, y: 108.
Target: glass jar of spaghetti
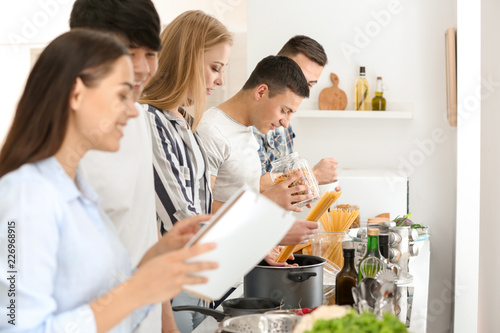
x: 288, y: 165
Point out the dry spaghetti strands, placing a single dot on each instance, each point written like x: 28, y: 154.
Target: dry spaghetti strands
x: 326, y: 200
x: 337, y: 220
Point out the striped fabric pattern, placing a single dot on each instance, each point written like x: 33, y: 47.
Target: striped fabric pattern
x: 182, y: 182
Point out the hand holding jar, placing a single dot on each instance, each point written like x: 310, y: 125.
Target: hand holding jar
x: 291, y: 165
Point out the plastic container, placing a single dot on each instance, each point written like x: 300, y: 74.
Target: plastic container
x: 288, y: 165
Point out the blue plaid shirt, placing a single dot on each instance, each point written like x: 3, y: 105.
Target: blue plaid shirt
x: 274, y: 145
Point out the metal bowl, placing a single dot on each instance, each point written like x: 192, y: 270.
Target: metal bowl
x: 260, y: 323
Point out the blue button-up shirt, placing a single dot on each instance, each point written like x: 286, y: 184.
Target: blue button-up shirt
x: 65, y: 252
x: 273, y: 145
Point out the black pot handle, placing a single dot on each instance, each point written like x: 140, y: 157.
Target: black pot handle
x: 300, y: 276
x: 219, y: 316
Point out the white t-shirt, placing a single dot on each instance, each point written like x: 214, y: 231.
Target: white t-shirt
x: 232, y: 153
x: 124, y: 181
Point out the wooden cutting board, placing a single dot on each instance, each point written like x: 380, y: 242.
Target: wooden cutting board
x: 333, y: 98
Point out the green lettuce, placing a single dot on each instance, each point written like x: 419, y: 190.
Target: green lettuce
x: 364, y: 323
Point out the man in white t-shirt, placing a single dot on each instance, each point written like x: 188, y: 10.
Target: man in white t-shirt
x: 124, y: 180
x: 272, y: 93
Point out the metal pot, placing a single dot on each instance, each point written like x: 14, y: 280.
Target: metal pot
x: 235, y: 307
x: 294, y: 287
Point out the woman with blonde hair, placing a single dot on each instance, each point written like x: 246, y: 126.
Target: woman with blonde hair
x: 191, y: 64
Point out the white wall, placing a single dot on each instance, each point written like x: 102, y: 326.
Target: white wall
x: 25, y: 25
x: 468, y: 166
x: 31, y: 24
x: 233, y: 14
x: 408, y: 52
x: 489, y: 270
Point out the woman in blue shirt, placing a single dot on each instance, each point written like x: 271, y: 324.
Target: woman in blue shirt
x: 67, y: 268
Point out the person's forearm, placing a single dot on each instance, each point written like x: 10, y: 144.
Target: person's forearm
x: 168, y: 324
x: 265, y: 182
x: 150, y: 254
x: 216, y: 205
x: 116, y: 305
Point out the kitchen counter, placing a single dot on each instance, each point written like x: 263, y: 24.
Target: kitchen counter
x: 418, y: 267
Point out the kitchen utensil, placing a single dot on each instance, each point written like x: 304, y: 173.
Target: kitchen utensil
x: 370, y: 266
x: 294, y: 287
x: 332, y: 98
x: 235, y: 307
x: 385, y: 275
x: 388, y: 290
x: 264, y: 323
x: 372, y: 290
x: 384, y: 305
x: 356, y: 297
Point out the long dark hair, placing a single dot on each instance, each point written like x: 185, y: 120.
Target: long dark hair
x: 41, y: 117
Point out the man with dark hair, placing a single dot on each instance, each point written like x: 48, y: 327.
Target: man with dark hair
x: 308, y: 47
x: 271, y: 94
x: 135, y: 22
x: 311, y: 58
x: 124, y: 180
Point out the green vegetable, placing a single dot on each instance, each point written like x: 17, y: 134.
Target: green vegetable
x: 403, y: 221
x: 364, y: 323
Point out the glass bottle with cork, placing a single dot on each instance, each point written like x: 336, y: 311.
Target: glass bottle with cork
x: 378, y: 102
x: 372, y: 262
x: 346, y: 279
x: 362, y: 91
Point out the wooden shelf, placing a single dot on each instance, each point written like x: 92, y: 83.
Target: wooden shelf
x: 351, y: 114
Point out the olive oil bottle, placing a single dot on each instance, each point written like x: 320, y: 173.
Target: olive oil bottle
x: 378, y: 102
x: 362, y: 91
x: 346, y: 279
x: 372, y: 262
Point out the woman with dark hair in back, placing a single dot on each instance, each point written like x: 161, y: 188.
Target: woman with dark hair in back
x: 71, y: 273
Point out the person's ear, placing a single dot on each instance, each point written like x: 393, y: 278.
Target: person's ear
x: 76, y: 96
x: 261, y: 92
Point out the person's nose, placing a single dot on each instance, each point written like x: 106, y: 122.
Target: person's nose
x: 220, y: 80
x: 285, y: 121
x: 131, y: 111
x: 141, y: 66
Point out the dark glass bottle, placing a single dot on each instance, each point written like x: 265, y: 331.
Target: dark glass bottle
x: 346, y: 279
x: 372, y: 262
